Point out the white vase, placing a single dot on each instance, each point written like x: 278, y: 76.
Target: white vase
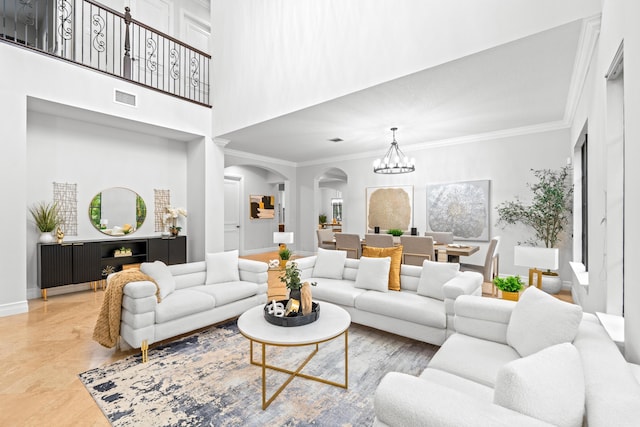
x: 46, y: 237
x: 551, y: 283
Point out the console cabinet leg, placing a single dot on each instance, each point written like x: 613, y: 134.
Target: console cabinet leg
x: 43, y: 292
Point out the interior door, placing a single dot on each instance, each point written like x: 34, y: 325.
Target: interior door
x: 231, y: 214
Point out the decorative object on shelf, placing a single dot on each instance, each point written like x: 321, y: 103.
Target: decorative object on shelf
x: 45, y: 216
x: 389, y: 207
x: 305, y: 299
x: 59, y: 235
x: 122, y: 252
x: 107, y: 270
x: 548, y: 215
x: 274, y: 263
x: 171, y: 219
x: 282, y: 238
x: 322, y: 219
x: 395, y: 232
x: 276, y: 308
x: 292, y: 319
x: 293, y: 307
x: 394, y: 161
x: 376, y: 230
x: 539, y: 259
x: 510, y: 287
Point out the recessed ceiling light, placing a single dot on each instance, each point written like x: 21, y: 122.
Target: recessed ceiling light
x: 336, y: 140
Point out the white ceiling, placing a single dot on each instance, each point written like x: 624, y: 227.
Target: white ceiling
x: 520, y: 84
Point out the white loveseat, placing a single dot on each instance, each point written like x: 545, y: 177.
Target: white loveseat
x: 572, y: 373
x: 408, y: 312
x: 193, y: 295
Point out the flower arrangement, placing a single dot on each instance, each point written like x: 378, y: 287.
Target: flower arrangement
x: 171, y: 218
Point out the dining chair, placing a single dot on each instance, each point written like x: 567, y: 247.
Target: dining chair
x: 440, y: 237
x: 491, y: 263
x: 350, y: 243
x: 379, y: 240
x: 325, y: 235
x: 416, y: 249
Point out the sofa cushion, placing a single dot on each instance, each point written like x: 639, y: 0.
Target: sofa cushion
x: 159, y: 272
x: 183, y: 303
x: 341, y: 292
x: 434, y: 275
x: 225, y: 293
x: 222, y: 267
x: 373, y: 274
x: 396, y: 261
x: 540, y: 320
x: 472, y: 358
x: 404, y: 306
x: 329, y: 264
x: 548, y: 385
x: 456, y: 382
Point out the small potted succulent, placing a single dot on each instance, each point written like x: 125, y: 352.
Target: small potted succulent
x: 285, y: 255
x: 395, y: 232
x: 510, y: 286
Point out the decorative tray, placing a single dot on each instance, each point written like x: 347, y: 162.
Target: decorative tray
x: 293, y: 319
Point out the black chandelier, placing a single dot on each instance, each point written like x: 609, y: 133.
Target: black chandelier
x: 394, y: 161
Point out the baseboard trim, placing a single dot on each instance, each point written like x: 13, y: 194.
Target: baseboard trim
x: 14, y: 308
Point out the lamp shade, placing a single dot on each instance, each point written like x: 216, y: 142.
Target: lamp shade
x: 283, y: 237
x: 542, y: 258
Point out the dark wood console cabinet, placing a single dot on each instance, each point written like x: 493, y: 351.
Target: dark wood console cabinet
x: 88, y: 261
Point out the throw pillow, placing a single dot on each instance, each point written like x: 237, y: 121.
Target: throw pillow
x: 159, y: 272
x: 548, y: 385
x: 329, y: 264
x: 396, y: 261
x: 434, y: 275
x: 539, y: 320
x: 373, y: 274
x: 222, y: 267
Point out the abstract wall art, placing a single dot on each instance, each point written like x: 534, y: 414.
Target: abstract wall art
x: 460, y: 207
x: 261, y: 207
x: 390, y: 207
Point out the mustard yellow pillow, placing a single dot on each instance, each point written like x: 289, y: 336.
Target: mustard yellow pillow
x: 396, y: 260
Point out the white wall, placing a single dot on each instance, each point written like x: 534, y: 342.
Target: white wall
x: 280, y: 56
x: 506, y: 162
x: 34, y: 76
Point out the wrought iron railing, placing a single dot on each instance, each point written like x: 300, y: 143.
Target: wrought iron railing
x: 101, y: 38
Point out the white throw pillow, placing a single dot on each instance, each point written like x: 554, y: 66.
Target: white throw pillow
x: 222, y: 267
x: 539, y: 320
x: 329, y: 264
x: 159, y: 272
x: 373, y: 274
x: 434, y: 275
x: 548, y: 385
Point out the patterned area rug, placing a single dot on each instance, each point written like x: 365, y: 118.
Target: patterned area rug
x: 206, y: 380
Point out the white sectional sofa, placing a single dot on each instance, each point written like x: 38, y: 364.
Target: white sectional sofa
x: 421, y: 310
x: 194, y: 295
x: 532, y: 363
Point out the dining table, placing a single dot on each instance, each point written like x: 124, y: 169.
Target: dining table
x: 444, y: 252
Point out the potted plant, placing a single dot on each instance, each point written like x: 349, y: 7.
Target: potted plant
x: 291, y: 279
x: 510, y: 286
x: 285, y: 255
x: 171, y: 219
x: 548, y: 213
x: 46, y: 216
x: 322, y: 219
x: 395, y: 232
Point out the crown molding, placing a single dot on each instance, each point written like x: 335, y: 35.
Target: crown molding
x: 586, y: 47
x: 221, y: 142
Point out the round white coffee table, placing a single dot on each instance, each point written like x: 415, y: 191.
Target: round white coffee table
x: 333, y: 322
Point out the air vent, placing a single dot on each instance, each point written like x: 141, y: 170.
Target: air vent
x: 125, y: 98
x: 336, y: 140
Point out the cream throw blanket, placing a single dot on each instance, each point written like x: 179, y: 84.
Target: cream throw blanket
x: 107, y: 327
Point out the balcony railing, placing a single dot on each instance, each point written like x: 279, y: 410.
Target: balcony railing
x: 93, y: 35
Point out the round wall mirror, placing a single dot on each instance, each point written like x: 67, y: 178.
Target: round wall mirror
x: 117, y: 211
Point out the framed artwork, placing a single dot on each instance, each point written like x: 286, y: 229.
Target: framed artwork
x: 261, y: 207
x: 390, y: 207
x: 460, y: 207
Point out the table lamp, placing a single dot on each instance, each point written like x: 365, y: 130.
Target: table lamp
x: 536, y: 259
x: 282, y: 238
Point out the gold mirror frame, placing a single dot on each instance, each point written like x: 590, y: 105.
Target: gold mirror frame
x: 117, y: 211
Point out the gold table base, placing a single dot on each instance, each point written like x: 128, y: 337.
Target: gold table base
x: 292, y: 374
